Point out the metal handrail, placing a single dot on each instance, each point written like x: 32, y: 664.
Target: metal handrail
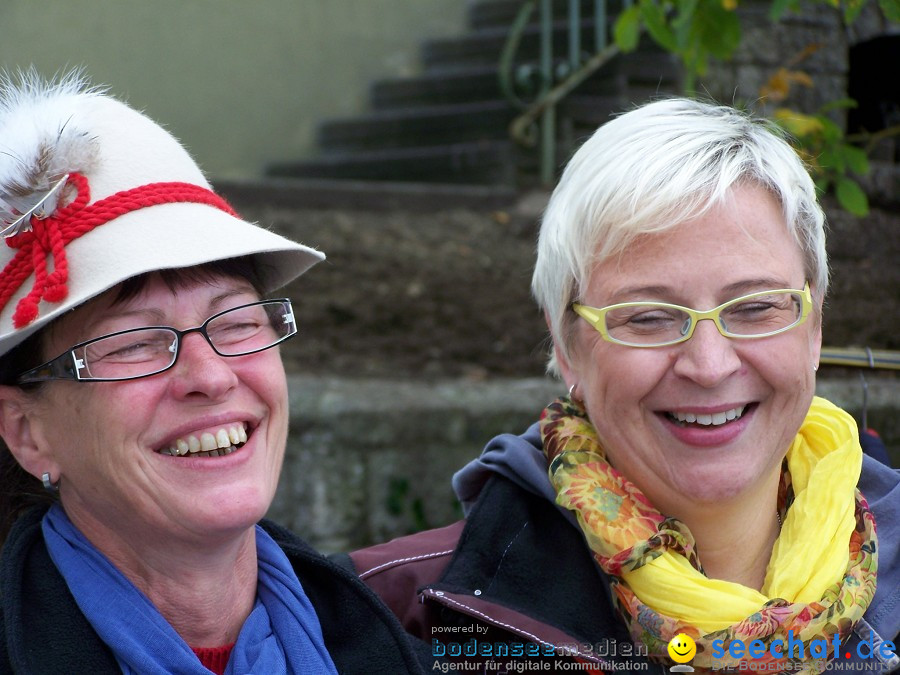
x: 860, y: 357
x: 553, y: 84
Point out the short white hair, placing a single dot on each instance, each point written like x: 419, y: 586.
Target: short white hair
x: 651, y: 169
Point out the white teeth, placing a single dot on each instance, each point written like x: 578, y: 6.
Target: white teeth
x: 219, y: 444
x: 222, y: 439
x: 714, y: 419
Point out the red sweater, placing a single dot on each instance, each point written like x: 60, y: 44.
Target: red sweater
x: 214, y: 658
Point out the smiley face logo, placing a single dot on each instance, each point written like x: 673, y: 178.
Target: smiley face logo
x: 682, y: 648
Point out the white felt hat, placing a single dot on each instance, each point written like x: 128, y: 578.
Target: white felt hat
x: 49, y: 131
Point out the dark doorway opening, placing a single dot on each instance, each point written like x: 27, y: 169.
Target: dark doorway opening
x: 874, y: 83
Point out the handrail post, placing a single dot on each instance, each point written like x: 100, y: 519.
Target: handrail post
x: 574, y: 35
x: 548, y: 118
x: 600, y: 33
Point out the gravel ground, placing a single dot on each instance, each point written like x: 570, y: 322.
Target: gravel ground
x: 446, y: 294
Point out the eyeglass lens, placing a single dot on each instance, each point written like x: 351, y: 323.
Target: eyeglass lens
x: 135, y: 353
x: 745, y: 317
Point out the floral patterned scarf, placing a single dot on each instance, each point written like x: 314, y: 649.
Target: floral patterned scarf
x: 820, y: 578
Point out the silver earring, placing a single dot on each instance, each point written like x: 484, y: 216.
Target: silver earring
x: 571, y: 389
x: 815, y: 367
x: 49, y: 485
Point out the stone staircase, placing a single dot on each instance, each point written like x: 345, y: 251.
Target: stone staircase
x: 450, y: 123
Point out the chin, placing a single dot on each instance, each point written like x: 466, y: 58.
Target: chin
x: 237, y: 509
x: 716, y: 486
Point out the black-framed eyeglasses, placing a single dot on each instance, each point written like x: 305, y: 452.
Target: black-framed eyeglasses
x: 141, y: 352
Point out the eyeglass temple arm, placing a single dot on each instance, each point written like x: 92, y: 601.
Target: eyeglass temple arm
x: 62, y: 368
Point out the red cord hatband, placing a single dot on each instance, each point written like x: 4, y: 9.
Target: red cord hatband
x: 50, y: 236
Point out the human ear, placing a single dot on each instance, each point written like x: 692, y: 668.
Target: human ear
x: 21, y: 433
x: 562, y: 363
x: 815, y: 336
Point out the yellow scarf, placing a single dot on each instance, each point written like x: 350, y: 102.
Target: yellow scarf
x: 821, y: 575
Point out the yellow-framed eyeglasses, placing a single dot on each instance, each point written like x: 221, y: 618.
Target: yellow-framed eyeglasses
x: 658, y: 324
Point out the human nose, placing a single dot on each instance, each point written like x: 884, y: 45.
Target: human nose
x: 200, y: 371
x: 708, y: 357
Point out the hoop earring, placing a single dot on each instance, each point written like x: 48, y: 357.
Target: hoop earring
x: 49, y: 485
x: 572, y: 395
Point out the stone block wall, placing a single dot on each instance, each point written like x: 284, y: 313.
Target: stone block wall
x: 369, y: 460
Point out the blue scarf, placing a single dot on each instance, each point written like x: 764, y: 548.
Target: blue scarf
x: 281, y: 635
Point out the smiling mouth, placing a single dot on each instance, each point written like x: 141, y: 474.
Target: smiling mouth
x: 689, y: 419
x: 219, y: 443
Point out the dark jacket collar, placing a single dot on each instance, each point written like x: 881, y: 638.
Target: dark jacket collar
x: 519, y: 552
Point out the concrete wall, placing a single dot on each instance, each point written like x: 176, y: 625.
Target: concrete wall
x: 369, y: 460
x: 241, y: 82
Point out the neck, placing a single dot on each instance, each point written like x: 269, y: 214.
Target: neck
x: 207, y: 605
x: 735, y: 538
x: 204, y: 590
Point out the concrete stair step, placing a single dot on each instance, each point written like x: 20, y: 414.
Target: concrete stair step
x: 488, y: 162
x: 471, y: 84
x: 420, y: 126
x: 450, y: 124
x: 591, y: 111
x: 494, y: 13
x: 462, y: 85
x: 483, y: 46
x: 359, y: 195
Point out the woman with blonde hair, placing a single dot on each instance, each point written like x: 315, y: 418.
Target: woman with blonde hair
x: 690, y: 489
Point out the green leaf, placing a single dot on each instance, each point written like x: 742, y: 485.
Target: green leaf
x: 627, y: 29
x: 832, y: 160
x: 891, y: 9
x: 655, y: 20
x: 683, y: 23
x: 779, y: 7
x: 852, y: 8
x: 718, y: 30
x: 830, y: 131
x: 851, y: 197
x: 686, y: 10
x: 856, y: 159
x: 838, y: 104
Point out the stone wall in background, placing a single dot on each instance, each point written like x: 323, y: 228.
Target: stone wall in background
x: 369, y: 460
x: 814, y: 41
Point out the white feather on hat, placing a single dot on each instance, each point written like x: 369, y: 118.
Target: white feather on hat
x: 39, y: 147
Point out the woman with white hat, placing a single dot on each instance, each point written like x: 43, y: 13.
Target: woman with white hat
x: 143, y: 404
